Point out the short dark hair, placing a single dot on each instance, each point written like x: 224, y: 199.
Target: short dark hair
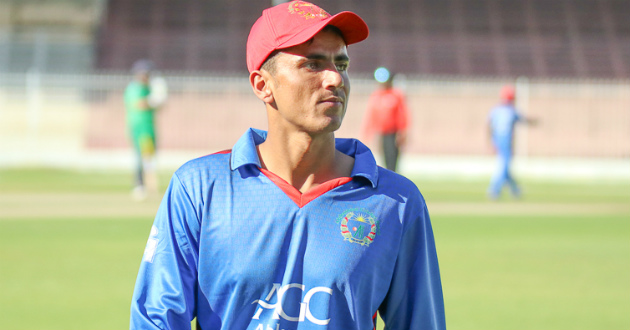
x: 269, y: 64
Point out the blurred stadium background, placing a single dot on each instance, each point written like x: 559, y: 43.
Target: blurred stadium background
x: 64, y: 65
x: 559, y: 259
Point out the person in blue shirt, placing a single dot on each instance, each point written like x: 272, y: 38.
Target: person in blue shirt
x: 292, y: 228
x: 501, y: 123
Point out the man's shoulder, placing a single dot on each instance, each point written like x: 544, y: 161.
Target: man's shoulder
x: 220, y: 158
x: 135, y: 86
x: 390, y: 180
x: 400, y: 189
x: 497, y: 108
x: 214, y: 164
x: 136, y: 90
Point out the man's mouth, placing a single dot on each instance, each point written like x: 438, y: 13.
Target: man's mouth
x: 333, y: 99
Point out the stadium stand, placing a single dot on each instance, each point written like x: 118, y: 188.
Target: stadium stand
x: 504, y: 38
x: 535, y: 38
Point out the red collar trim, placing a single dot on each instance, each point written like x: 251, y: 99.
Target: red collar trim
x: 302, y: 199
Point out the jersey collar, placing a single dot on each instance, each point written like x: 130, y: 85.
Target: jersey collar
x: 245, y: 153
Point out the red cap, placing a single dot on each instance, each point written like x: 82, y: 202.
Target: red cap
x: 292, y: 23
x: 508, y: 93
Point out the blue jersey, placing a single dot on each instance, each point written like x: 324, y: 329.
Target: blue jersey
x: 502, y: 119
x: 239, y: 248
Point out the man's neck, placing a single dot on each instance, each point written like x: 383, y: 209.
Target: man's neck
x: 304, y: 161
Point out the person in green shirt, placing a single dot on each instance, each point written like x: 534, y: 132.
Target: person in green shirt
x: 140, y: 115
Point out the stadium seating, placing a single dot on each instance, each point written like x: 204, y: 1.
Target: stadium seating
x: 536, y: 38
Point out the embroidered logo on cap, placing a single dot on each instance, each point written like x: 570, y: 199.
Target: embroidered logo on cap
x: 307, y: 10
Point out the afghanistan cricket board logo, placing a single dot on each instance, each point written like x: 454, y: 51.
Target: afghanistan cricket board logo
x: 358, y: 226
x: 307, y: 10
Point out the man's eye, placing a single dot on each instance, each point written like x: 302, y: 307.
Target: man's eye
x: 314, y: 65
x: 342, y: 67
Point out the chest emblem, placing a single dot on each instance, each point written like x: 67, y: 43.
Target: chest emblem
x: 358, y: 226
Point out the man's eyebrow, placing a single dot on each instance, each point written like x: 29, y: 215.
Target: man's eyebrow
x: 321, y: 57
x: 342, y: 58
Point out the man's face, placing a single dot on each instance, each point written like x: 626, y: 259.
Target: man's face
x: 310, y: 86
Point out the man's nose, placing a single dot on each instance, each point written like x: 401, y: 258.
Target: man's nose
x: 333, y: 78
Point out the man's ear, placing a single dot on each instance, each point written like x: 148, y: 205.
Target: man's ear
x: 261, y: 84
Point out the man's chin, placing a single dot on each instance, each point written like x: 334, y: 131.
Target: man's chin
x: 332, y: 126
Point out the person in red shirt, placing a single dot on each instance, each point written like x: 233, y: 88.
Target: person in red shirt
x: 387, y: 116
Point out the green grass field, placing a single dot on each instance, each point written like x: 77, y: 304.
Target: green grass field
x: 71, y: 243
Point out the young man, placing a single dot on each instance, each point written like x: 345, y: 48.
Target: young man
x: 292, y: 228
x: 387, y: 115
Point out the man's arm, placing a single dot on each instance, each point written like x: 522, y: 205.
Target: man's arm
x: 530, y: 121
x: 415, y: 299
x: 526, y: 119
x: 143, y: 104
x: 164, y: 295
x: 136, y: 97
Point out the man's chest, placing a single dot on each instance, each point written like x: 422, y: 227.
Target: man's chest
x: 260, y: 237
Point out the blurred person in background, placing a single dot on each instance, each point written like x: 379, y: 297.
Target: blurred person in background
x: 501, y: 123
x: 292, y: 228
x: 141, y: 105
x: 387, y: 115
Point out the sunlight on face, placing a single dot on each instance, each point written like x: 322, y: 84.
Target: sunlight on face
x: 311, y: 85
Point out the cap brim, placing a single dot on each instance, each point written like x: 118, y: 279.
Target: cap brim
x: 353, y: 28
